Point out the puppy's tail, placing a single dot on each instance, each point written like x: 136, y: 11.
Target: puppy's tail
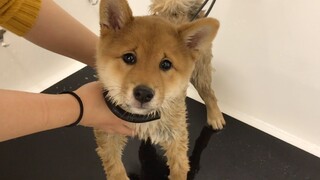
x: 172, y: 8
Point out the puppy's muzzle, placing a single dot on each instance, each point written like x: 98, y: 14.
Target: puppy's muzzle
x: 142, y: 94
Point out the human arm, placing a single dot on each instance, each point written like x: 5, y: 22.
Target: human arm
x: 47, y: 25
x: 23, y: 113
x: 59, y: 32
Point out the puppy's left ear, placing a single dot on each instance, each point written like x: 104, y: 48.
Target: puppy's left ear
x: 114, y: 14
x: 200, y: 33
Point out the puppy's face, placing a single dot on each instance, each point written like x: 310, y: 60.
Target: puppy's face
x: 145, y: 62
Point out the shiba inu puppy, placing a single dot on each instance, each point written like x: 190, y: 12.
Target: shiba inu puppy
x: 145, y: 64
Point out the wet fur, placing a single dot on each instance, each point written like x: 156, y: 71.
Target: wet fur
x: 167, y: 34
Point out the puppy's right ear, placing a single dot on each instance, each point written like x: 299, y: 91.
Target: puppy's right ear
x: 114, y: 14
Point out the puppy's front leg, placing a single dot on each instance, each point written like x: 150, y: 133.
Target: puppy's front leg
x: 176, y: 153
x: 110, y: 149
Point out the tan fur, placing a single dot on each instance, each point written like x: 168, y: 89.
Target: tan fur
x: 153, y: 39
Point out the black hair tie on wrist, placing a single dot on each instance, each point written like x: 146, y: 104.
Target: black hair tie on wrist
x: 81, y: 107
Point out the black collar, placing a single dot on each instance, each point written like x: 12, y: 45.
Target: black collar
x: 127, y: 116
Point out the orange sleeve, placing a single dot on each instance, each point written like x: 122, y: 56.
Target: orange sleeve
x: 18, y: 16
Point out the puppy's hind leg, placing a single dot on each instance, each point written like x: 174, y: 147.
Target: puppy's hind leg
x: 201, y: 80
x: 110, y: 149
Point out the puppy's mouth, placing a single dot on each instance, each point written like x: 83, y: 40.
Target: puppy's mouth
x: 127, y: 116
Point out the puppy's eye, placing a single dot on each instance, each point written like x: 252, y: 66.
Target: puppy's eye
x: 129, y: 58
x: 165, y: 65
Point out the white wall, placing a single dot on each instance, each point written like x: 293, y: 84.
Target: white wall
x: 266, y: 60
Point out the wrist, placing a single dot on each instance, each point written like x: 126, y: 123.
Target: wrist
x: 63, y: 110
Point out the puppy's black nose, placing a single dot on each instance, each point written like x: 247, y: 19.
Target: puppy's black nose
x: 143, y: 93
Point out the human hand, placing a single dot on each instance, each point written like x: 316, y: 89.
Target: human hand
x: 97, y: 114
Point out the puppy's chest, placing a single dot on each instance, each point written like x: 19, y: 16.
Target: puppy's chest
x: 173, y: 123
x: 157, y: 131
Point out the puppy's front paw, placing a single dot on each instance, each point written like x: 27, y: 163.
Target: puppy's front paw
x: 118, y: 177
x: 216, y: 120
x: 178, y: 176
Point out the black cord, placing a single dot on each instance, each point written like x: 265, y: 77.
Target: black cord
x: 81, y: 107
x: 201, y: 7
x: 210, y: 8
